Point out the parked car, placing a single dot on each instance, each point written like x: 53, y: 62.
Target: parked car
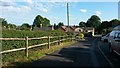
x: 105, y: 38
x: 114, y: 40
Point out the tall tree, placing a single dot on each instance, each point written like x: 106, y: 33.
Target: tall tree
x: 60, y: 24
x: 3, y: 22
x: 82, y: 24
x: 11, y: 26
x: 115, y: 22
x: 25, y: 26
x: 46, y: 22
x: 94, y: 21
x: 55, y: 26
x: 40, y: 20
x: 105, y: 24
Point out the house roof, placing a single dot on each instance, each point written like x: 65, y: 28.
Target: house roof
x: 64, y: 28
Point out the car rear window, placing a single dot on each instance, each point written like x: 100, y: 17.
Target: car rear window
x: 117, y: 35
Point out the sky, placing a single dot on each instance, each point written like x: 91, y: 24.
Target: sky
x: 25, y: 11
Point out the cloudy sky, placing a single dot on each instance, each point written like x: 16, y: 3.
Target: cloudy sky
x: 24, y: 11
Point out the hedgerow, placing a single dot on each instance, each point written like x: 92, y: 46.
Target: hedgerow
x: 8, y: 45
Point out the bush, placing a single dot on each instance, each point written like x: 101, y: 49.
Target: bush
x: 8, y: 45
x: 22, y: 34
x: 80, y: 35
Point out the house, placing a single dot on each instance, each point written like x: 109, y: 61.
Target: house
x: 72, y: 28
x: 89, y: 30
x: 77, y: 29
x: 65, y: 28
x: 85, y: 30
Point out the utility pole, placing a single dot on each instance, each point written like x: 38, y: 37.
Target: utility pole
x: 68, y: 17
x: 119, y: 10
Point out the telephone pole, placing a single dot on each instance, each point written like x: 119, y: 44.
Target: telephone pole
x: 68, y: 17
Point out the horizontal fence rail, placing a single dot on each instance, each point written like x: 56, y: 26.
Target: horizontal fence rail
x: 12, y: 38
x: 45, y: 37
x: 66, y: 37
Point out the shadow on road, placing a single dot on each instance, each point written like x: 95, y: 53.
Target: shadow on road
x: 75, y: 55
x: 79, y: 54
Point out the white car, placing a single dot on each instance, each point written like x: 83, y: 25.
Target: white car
x: 114, y: 40
x: 105, y: 38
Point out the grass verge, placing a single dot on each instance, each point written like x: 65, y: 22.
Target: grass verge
x: 36, y: 53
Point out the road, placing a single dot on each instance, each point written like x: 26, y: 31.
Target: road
x: 89, y: 52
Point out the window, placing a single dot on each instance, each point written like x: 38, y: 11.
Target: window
x: 112, y: 33
x: 117, y: 35
x: 107, y: 35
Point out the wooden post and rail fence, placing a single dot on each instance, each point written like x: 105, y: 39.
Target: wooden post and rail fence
x: 27, y: 47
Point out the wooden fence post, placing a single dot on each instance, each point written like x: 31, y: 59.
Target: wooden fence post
x: 71, y: 37
x: 68, y: 38
x: 48, y: 42
x: 26, y: 51
x: 58, y: 40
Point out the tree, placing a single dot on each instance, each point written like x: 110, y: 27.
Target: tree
x: 115, y: 22
x: 40, y: 20
x: 11, y: 26
x: 60, y: 24
x: 94, y: 21
x: 3, y: 22
x: 106, y: 24
x: 82, y: 24
x: 25, y: 26
x: 46, y: 22
x: 55, y: 26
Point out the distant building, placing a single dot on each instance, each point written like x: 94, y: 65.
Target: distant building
x: 77, y: 29
x: 63, y: 28
x: 89, y: 29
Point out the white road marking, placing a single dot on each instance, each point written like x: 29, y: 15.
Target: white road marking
x: 105, y: 56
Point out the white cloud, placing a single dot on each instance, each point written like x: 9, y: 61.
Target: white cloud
x: 44, y: 10
x: 83, y: 10
x: 28, y: 1
x: 98, y: 13
x: 65, y: 0
x: 6, y: 4
x: 13, y: 9
x: 25, y: 8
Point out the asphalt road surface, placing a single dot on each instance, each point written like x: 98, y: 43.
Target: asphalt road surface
x: 89, y: 52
